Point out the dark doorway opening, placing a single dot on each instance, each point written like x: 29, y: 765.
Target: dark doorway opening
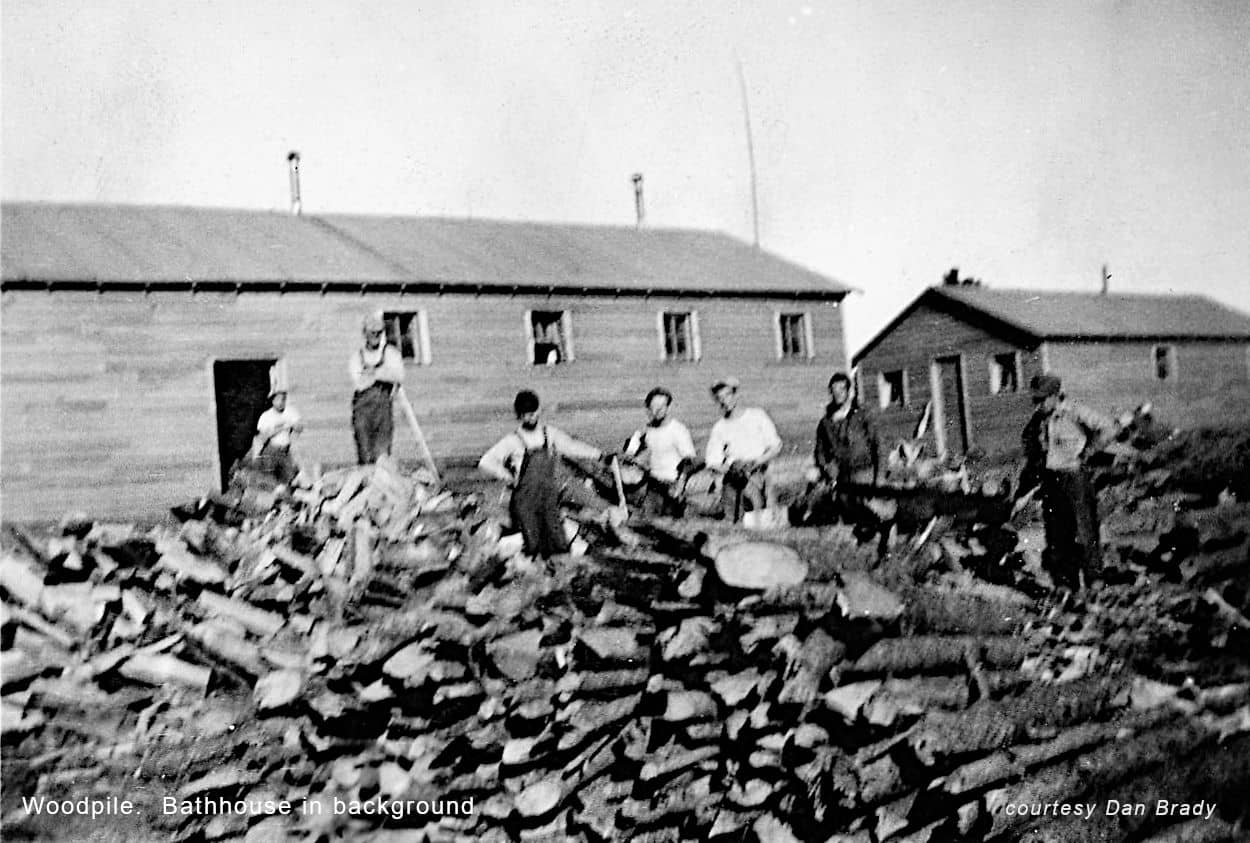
x: 952, y: 412
x: 241, y: 390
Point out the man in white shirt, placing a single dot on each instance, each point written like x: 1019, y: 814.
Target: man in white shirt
x: 740, y: 446
x: 376, y: 368
x: 271, y: 447
x: 666, y: 452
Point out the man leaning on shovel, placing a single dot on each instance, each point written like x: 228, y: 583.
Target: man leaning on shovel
x: 376, y: 369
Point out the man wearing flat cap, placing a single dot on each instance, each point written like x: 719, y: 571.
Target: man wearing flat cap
x: 376, y: 368
x: 740, y: 446
x: 1058, y: 439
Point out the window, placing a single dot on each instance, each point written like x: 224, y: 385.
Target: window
x: 550, y: 333
x: 1165, y: 362
x: 892, y: 389
x: 679, y: 335
x: 409, y: 331
x: 1004, y: 373
x: 794, y: 336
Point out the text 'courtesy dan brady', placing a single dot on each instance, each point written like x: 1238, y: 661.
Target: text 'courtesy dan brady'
x: 114, y: 806
x: 1111, y: 808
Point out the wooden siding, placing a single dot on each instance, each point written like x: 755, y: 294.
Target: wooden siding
x: 1210, y: 385
x: 108, y: 404
x: 994, y: 421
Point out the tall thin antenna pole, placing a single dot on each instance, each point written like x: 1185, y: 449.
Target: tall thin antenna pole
x: 746, y: 113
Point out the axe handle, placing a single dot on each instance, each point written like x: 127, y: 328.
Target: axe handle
x: 1023, y: 501
x: 411, y: 415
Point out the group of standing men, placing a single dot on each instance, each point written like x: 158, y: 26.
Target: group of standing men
x: 1058, y: 439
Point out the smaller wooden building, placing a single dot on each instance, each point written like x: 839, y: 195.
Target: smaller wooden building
x: 969, y: 351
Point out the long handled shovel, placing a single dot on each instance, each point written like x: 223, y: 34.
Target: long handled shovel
x: 416, y: 430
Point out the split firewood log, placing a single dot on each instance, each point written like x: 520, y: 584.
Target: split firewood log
x: 219, y: 640
x: 278, y: 689
x: 159, y: 669
x: 613, y: 644
x: 540, y: 799
x: 934, y: 653
x: 686, y: 639
x: 732, y: 689
x: 770, y: 829
x: 674, y: 760
x: 254, y: 620
x: 858, y: 596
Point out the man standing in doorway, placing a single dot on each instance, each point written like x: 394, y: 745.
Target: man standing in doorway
x: 376, y: 368
x: 1058, y: 438
x: 276, y: 427
x: 740, y: 446
x: 667, y: 452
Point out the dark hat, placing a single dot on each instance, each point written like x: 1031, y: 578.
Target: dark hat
x: 1044, y: 386
x: 729, y: 382
x: 526, y: 401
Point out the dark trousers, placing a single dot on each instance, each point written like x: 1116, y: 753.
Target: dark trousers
x: 278, y: 462
x: 373, y: 423
x: 656, y: 497
x: 742, y: 492
x: 1070, y: 514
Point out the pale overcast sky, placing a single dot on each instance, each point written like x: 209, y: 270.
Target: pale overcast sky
x: 1027, y: 143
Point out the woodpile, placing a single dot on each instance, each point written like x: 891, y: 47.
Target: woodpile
x: 375, y: 654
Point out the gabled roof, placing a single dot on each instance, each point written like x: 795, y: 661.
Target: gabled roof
x: 1033, y: 316
x: 128, y: 245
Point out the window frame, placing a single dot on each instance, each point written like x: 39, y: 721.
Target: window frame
x: 417, y: 320
x: 808, y: 350
x: 1169, y: 358
x: 565, y: 345
x: 996, y: 370
x: 882, y: 393
x: 694, y: 342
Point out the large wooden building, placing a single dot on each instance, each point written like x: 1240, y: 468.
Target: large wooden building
x: 969, y: 351
x: 136, y: 342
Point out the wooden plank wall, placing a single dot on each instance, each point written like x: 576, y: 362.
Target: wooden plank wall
x: 107, y: 403
x: 1211, y: 383
x: 995, y: 421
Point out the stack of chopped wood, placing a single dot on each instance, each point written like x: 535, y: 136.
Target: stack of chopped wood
x: 375, y: 654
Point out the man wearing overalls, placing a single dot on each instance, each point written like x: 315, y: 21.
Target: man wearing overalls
x: 376, y: 368
x: 529, y: 460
